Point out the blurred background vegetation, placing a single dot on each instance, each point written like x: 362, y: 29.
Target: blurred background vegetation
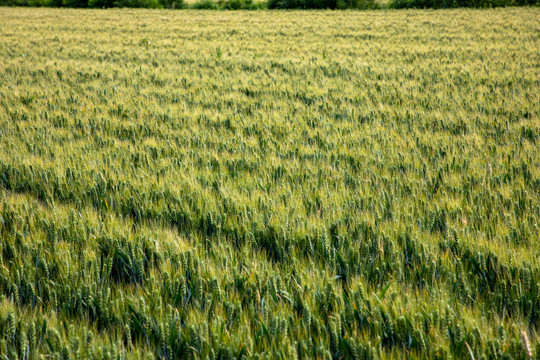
x: 271, y: 4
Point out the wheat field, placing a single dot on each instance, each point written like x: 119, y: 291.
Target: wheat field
x: 269, y: 185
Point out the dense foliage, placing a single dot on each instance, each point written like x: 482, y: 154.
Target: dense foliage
x: 331, y: 185
x: 150, y: 4
x: 323, y: 4
x: 446, y: 4
x: 271, y: 4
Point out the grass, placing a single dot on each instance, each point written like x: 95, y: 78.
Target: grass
x: 326, y: 184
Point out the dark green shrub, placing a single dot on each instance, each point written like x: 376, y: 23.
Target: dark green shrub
x: 73, y: 3
x: 323, y: 4
x: 239, y: 5
x: 444, y: 4
x: 22, y: 3
x: 358, y: 4
x: 302, y: 4
x: 150, y: 4
x: 205, y: 5
x: 173, y: 4
x: 37, y: 3
x: 100, y: 3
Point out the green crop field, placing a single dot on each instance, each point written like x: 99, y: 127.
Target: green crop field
x: 269, y: 185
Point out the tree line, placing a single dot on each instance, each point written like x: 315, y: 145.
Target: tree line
x: 270, y: 4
